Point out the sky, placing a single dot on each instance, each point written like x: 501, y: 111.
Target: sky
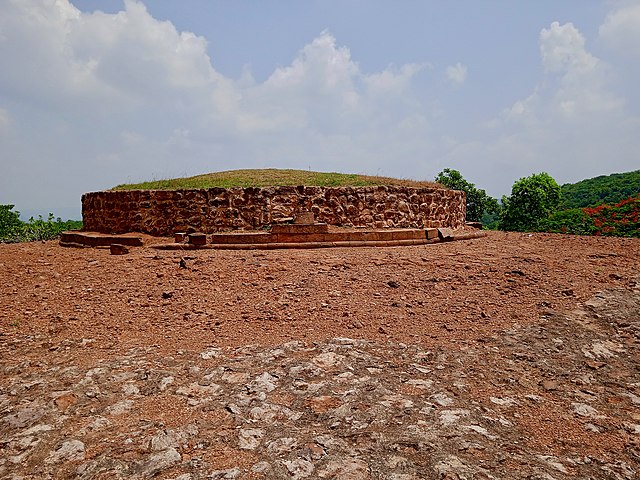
x: 96, y: 93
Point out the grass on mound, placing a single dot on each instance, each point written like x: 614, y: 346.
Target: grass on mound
x: 272, y: 177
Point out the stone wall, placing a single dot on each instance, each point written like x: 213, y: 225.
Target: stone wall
x: 163, y: 212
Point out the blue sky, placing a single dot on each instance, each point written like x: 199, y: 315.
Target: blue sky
x: 97, y: 93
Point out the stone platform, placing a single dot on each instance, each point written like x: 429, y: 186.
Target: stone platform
x: 316, y: 236
x: 280, y: 237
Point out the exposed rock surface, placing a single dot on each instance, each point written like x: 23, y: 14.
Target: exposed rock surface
x: 343, y: 408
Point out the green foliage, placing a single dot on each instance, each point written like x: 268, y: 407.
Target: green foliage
x: 8, y: 220
x: 13, y: 230
x: 491, y: 221
x: 538, y: 204
x: 619, y: 220
x: 573, y: 221
x: 478, y: 202
x: 532, y: 200
x: 605, y: 189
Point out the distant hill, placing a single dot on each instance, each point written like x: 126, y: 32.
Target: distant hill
x: 609, y: 189
x: 272, y: 177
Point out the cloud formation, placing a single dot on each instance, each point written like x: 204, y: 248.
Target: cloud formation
x: 457, y: 73
x: 152, y: 103
x: 574, y: 124
x: 582, y: 83
x: 91, y: 100
x: 5, y: 121
x: 621, y: 30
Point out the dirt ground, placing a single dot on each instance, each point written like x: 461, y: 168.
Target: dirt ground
x: 433, y: 294
x: 464, y: 303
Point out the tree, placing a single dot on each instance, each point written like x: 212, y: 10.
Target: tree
x: 9, y: 220
x: 532, y: 200
x: 478, y: 201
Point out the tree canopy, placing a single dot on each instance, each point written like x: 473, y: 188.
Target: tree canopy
x: 477, y: 199
x: 532, y: 200
x: 609, y: 189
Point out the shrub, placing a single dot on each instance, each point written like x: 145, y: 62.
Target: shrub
x: 573, y: 221
x: 620, y: 220
x: 13, y: 230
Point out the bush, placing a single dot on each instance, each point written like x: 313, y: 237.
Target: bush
x: 619, y: 220
x: 13, y: 230
x: 573, y: 221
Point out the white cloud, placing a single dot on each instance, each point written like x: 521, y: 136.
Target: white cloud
x: 562, y: 48
x: 132, y: 91
x: 574, y: 124
x: 391, y: 80
x: 457, y: 74
x: 321, y: 65
x: 133, y: 51
x: 621, y: 30
x: 5, y: 120
x: 94, y: 99
x: 576, y: 82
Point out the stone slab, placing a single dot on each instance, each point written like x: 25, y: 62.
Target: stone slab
x: 198, y: 239
x: 431, y: 233
x: 245, y: 237
x: 300, y: 237
x: 94, y: 239
x: 291, y: 245
x: 407, y: 234
x: 301, y: 228
x: 446, y: 234
x: 347, y: 238
x: 338, y: 239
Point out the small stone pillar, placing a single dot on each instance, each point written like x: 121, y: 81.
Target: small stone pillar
x: 304, y: 218
x: 198, y: 239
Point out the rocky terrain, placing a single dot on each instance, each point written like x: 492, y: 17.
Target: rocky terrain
x: 511, y: 356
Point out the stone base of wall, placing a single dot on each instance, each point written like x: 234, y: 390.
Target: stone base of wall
x: 163, y: 212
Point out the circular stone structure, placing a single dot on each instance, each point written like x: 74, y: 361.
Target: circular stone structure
x: 164, y: 212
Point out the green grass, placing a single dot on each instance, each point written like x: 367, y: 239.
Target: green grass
x: 272, y: 177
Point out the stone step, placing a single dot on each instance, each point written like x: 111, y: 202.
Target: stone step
x: 267, y: 241
x: 278, y: 236
x: 301, y: 228
x: 95, y: 239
